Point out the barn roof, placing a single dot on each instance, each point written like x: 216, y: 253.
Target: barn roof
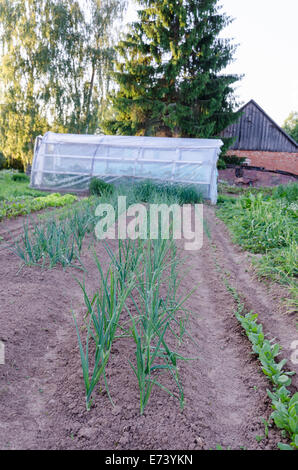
x: 255, y: 130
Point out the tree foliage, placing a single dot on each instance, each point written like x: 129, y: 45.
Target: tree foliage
x: 56, y: 57
x: 169, y: 73
x: 291, y: 125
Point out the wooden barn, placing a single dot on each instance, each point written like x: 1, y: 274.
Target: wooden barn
x: 262, y: 141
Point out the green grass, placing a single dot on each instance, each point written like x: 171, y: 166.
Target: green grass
x: 10, y: 189
x: 287, y: 192
x: 17, y: 198
x: 280, y: 264
x: 149, y: 191
x: 260, y: 224
x: 222, y: 198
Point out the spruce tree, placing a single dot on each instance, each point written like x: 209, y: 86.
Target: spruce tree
x: 169, y: 73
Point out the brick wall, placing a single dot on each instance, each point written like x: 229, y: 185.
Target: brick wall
x: 270, y: 160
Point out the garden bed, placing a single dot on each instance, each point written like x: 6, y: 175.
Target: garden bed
x: 42, y: 397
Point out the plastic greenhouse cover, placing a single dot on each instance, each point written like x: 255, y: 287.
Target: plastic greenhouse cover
x: 69, y: 161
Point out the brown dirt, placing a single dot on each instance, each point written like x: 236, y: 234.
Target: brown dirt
x: 42, y: 403
x: 260, y: 179
x: 261, y: 296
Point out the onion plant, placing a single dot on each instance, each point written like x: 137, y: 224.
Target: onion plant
x: 49, y: 243
x: 154, y: 266
x: 56, y: 240
x: 103, y: 314
x: 156, y: 310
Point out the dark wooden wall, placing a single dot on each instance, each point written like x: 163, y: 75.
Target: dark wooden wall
x: 256, y: 131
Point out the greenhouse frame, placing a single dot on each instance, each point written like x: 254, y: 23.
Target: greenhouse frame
x: 67, y: 162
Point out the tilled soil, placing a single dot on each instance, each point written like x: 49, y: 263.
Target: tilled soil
x: 259, y: 178
x: 42, y: 400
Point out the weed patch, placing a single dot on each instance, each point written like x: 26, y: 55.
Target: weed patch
x: 269, y: 226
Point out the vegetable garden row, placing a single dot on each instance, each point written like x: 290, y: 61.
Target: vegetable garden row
x: 267, y: 224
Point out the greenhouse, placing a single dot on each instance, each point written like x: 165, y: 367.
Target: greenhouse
x: 66, y: 162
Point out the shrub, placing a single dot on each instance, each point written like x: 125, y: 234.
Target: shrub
x: 13, y: 164
x: 188, y: 195
x: 221, y: 164
x: 20, y: 177
x: 98, y: 187
x: 232, y: 159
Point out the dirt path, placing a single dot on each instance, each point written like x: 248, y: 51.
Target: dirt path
x: 41, y: 388
x: 264, y: 298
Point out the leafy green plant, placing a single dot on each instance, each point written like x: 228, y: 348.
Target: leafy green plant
x: 30, y: 204
x: 266, y: 425
x: 266, y: 351
x: 285, y: 414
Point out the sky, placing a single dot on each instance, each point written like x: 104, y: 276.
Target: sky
x: 266, y: 32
